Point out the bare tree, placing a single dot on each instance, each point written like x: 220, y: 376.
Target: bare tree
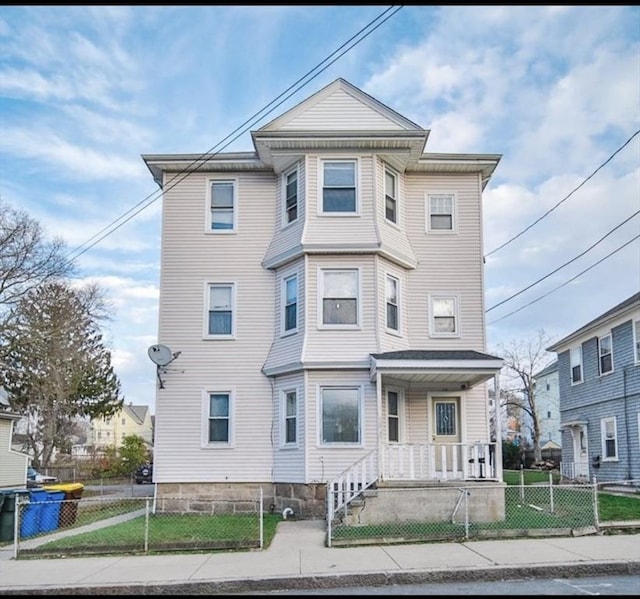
x: 27, y: 258
x: 522, y: 360
x: 56, y: 366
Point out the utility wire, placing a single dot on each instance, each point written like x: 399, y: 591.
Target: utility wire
x: 565, y: 198
x: 240, y: 130
x: 566, y: 282
x: 565, y: 264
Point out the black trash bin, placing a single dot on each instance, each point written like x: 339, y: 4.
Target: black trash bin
x: 8, y: 512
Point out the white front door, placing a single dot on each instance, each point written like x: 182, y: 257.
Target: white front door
x: 580, y: 451
x: 445, y: 436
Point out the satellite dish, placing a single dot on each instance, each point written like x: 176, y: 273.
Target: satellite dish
x: 160, y: 354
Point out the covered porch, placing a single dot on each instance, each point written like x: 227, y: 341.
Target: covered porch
x: 433, y: 420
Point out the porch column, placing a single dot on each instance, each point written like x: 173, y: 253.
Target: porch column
x: 498, y: 450
x: 379, y: 418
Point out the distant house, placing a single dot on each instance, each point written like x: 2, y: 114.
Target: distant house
x: 109, y: 432
x: 325, y: 293
x: 547, y: 397
x: 13, y: 464
x: 599, y: 383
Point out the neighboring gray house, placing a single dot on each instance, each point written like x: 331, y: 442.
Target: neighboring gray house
x: 548, y: 406
x: 599, y: 377
x: 326, y: 294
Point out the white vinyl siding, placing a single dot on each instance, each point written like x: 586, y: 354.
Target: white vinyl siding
x: 605, y: 355
x: 609, y: 439
x: 575, y: 356
x: 289, y: 459
x: 203, y: 364
x: 223, y: 205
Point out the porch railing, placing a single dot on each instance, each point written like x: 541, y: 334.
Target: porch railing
x: 574, y: 470
x: 348, y: 485
x: 439, y: 461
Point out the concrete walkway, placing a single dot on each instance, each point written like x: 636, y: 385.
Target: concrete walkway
x: 298, y: 559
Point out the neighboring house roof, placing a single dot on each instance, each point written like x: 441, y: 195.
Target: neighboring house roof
x: 551, y: 445
x: 621, y: 308
x: 138, y: 413
x: 548, y: 369
x: 435, y: 354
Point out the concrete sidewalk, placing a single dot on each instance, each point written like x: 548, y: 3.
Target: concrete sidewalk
x: 298, y: 559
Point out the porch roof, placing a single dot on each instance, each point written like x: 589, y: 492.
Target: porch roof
x: 453, y: 369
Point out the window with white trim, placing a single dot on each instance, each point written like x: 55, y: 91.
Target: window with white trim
x: 341, y: 415
x: 636, y: 340
x: 444, y: 316
x: 291, y: 196
x: 609, y: 438
x: 289, y: 417
x: 390, y: 196
x: 393, y: 416
x: 220, y: 320
x: 219, y: 418
x: 441, y: 212
x: 392, y: 292
x: 605, y: 354
x: 575, y: 357
x: 339, y: 187
x: 290, y: 304
x: 339, y: 289
x: 223, y: 206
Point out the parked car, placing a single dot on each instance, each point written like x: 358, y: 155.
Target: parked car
x: 34, y: 478
x: 144, y: 474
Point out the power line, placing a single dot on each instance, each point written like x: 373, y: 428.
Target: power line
x: 240, y: 130
x: 566, y: 282
x: 565, y: 264
x: 565, y: 198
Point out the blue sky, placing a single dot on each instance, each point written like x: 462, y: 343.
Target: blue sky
x: 85, y: 91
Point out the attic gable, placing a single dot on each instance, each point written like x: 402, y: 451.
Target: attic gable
x: 340, y: 106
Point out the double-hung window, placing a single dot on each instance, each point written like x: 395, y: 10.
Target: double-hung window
x: 609, y: 438
x: 391, y: 196
x: 636, y: 340
x: 291, y: 196
x: 223, y: 206
x: 444, y: 316
x: 441, y: 212
x: 393, y: 416
x: 575, y: 356
x: 218, y: 418
x: 339, y: 187
x: 220, y: 319
x: 289, y: 417
x: 605, y: 354
x: 290, y: 301
x: 339, y: 297
x: 392, y: 296
x: 341, y: 415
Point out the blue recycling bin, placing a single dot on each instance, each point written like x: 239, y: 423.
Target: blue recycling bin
x: 31, y: 516
x: 50, y: 514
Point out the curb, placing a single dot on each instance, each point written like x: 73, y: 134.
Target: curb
x: 333, y: 581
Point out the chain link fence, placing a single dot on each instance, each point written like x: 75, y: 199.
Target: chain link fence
x: 55, y: 526
x: 388, y: 515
